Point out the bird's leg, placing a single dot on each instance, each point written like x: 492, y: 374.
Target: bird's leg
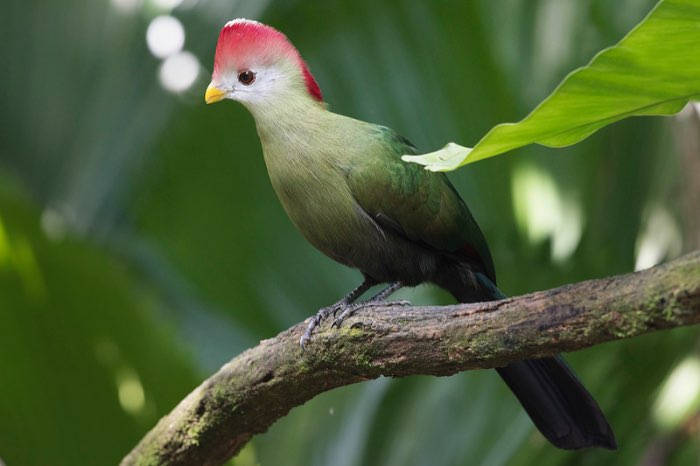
x: 343, y: 304
x: 378, y: 299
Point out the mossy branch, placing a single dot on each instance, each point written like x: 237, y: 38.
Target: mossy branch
x: 261, y: 385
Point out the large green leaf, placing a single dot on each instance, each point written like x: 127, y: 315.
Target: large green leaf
x: 654, y: 70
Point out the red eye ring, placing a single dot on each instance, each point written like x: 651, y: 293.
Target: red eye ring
x: 246, y: 77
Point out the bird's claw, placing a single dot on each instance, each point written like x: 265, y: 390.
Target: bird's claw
x: 348, y: 309
x: 347, y: 312
x: 316, y: 321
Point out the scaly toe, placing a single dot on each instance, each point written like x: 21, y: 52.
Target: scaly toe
x: 339, y: 320
x: 317, y: 318
x: 347, y: 312
x: 309, y: 330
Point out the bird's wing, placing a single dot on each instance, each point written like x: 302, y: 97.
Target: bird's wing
x: 420, y: 205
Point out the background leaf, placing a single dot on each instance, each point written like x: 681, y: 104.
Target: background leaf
x: 654, y: 70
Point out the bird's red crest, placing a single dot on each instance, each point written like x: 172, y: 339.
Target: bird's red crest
x: 241, y: 41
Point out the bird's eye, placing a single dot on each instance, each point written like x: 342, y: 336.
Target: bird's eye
x: 246, y: 77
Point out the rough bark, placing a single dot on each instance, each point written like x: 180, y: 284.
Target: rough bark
x: 262, y: 384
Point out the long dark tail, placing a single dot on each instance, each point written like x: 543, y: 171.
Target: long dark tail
x: 556, y: 401
x: 561, y: 408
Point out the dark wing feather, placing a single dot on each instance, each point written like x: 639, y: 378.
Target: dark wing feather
x: 420, y: 205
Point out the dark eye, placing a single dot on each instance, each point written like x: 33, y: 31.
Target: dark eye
x: 246, y: 77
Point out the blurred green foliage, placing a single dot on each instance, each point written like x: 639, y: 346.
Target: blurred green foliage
x: 141, y: 245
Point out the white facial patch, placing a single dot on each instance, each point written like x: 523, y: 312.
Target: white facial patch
x: 269, y: 84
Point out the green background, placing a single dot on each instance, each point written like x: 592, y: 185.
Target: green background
x: 141, y: 245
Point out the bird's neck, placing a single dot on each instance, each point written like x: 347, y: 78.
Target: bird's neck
x: 290, y: 124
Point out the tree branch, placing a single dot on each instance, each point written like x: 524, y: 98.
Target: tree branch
x: 262, y: 384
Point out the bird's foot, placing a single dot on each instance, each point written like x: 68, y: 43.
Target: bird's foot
x: 346, y: 308
x: 350, y: 310
x: 319, y: 316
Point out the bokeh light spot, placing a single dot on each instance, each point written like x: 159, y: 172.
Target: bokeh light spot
x: 53, y: 224
x: 544, y: 212
x: 660, y: 238
x: 165, y: 36
x: 178, y: 72
x: 130, y: 391
x: 680, y: 394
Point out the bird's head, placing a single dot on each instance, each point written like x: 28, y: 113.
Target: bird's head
x: 256, y: 65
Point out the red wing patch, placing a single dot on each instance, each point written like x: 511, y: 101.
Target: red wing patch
x: 468, y: 251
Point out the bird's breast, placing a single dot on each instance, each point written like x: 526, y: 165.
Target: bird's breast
x: 319, y: 203
x: 312, y: 185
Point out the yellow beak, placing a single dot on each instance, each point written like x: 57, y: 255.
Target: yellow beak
x: 213, y: 94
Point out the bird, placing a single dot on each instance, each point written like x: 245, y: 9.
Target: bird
x: 343, y: 184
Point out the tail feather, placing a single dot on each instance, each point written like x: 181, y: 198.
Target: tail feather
x: 556, y: 401
x: 560, y: 407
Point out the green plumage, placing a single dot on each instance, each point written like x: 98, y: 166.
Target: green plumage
x: 420, y: 205
x: 345, y: 187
